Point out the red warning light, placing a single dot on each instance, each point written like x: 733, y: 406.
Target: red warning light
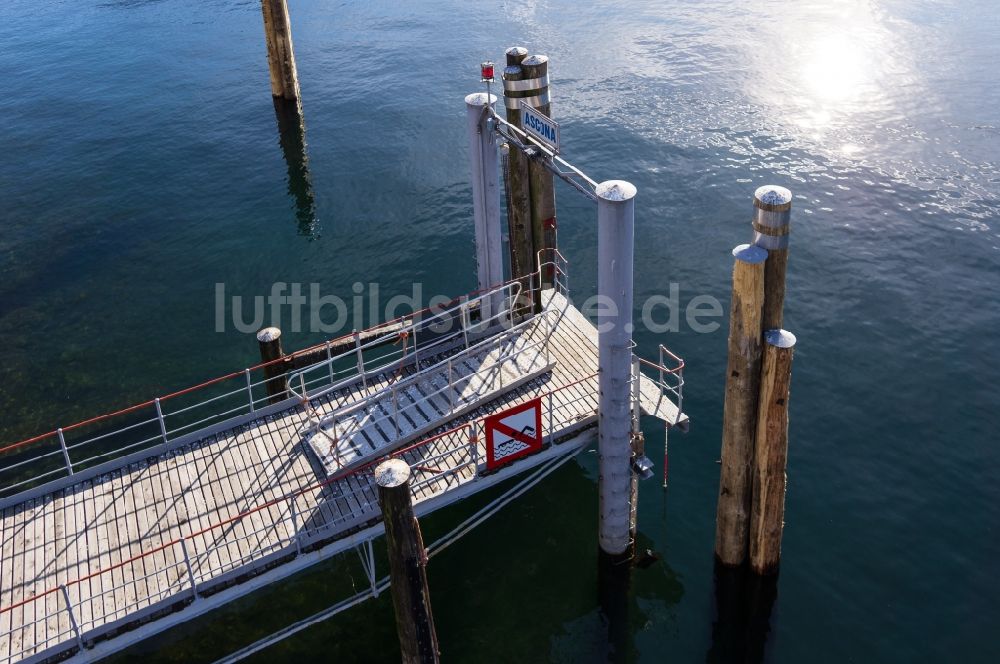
x: 487, y: 70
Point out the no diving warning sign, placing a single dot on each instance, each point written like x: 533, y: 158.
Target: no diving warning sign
x: 514, y: 433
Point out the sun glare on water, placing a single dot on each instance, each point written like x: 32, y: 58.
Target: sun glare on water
x: 835, y: 69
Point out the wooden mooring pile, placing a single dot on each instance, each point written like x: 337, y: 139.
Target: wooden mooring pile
x: 751, y: 505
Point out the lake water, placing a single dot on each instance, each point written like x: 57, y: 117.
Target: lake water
x: 140, y: 164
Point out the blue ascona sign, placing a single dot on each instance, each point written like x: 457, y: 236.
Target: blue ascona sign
x: 540, y: 127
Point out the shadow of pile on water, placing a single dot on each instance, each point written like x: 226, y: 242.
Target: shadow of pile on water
x: 744, y: 602
x: 292, y: 137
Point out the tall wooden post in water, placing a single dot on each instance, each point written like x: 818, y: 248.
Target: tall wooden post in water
x: 269, y: 340
x: 755, y: 412
x: 522, y: 248
x: 739, y: 419
x: 771, y: 225
x: 280, y: 54
x: 615, y: 257
x: 407, y: 565
x: 535, y: 69
x: 771, y: 454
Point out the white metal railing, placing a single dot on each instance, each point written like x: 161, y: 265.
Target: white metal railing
x: 498, y: 304
x: 158, y: 422
x: 669, y: 370
x: 402, y: 419
x: 407, y: 338
x: 72, y: 614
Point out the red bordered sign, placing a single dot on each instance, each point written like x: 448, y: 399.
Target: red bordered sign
x: 514, y: 433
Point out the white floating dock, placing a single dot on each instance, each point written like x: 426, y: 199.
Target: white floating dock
x: 109, y: 559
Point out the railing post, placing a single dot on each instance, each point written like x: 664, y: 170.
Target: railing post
x: 246, y: 372
x: 465, y: 324
x: 615, y: 251
x: 680, y: 391
x: 159, y: 417
x: 329, y: 361
x: 548, y: 337
x: 662, y: 367
x: 361, y: 358
x: 190, y: 569
x: 294, y: 514
x: 636, y: 386
x: 72, y: 617
x: 65, y: 450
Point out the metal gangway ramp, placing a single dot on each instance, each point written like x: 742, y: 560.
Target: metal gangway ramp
x: 122, y: 526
